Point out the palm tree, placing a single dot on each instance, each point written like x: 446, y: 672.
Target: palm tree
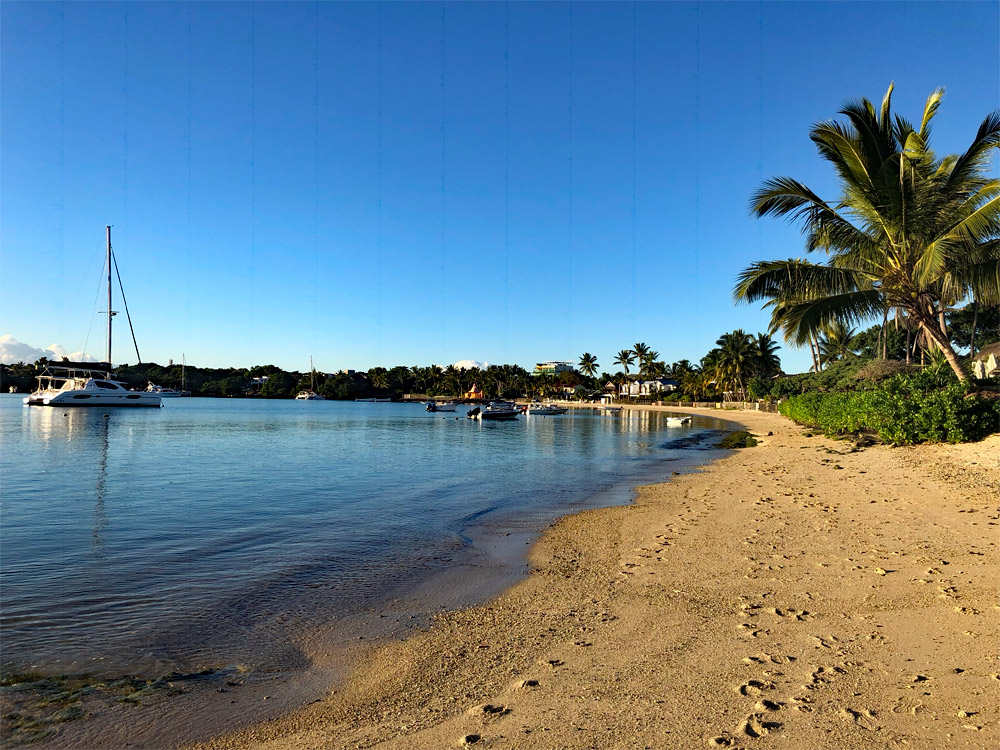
x: 910, y: 230
x: 588, y: 364
x: 641, y: 351
x: 835, y: 342
x: 625, y: 358
x: 736, y: 361
x: 646, y: 363
x: 768, y: 363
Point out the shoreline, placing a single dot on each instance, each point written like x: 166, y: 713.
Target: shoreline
x: 496, y: 558
x: 795, y: 594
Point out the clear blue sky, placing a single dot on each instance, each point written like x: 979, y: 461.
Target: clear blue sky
x: 416, y: 183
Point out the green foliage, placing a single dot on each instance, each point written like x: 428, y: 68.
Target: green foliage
x: 279, y: 385
x: 758, y: 388
x: 903, y: 410
x: 987, y: 320
x: 880, y: 369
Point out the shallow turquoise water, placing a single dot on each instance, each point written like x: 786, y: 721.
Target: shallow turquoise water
x: 216, y: 531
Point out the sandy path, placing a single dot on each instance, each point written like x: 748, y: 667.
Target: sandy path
x: 794, y: 595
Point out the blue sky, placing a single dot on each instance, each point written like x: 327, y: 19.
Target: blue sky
x: 416, y: 183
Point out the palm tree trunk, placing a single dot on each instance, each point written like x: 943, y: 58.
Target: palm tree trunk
x: 975, y: 319
x: 885, y: 334
x: 935, y: 334
x: 909, y: 335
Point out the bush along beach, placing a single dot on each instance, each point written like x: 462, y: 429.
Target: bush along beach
x: 902, y: 410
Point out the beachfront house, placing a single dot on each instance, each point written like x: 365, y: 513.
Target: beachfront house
x: 647, y: 388
x: 986, y: 363
x: 552, y: 367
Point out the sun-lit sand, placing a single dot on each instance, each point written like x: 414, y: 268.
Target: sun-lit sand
x: 799, y: 594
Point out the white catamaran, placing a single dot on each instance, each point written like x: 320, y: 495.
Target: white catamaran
x: 88, y: 383
x: 310, y: 395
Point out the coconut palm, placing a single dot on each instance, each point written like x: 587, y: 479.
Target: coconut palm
x: 909, y: 231
x: 736, y: 361
x: 647, y: 363
x: 768, y: 363
x: 588, y: 364
x: 641, y: 351
x: 835, y: 342
x: 625, y: 358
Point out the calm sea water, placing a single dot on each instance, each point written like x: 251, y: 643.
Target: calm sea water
x: 217, y: 531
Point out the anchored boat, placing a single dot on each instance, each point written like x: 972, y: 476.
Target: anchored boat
x: 89, y: 383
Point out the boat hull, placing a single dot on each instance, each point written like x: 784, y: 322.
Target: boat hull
x: 79, y: 398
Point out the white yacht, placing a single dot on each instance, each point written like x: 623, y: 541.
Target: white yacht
x: 85, y: 384
x: 88, y: 383
x: 164, y: 392
x: 309, y: 396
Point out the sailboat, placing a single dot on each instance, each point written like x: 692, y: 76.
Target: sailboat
x: 311, y: 394
x: 165, y: 392
x: 68, y: 383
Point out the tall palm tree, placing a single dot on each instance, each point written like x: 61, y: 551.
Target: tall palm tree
x: 647, y: 362
x: 588, y: 364
x: 641, y: 350
x: 625, y: 358
x: 835, y: 342
x: 768, y: 363
x: 909, y: 231
x: 736, y: 361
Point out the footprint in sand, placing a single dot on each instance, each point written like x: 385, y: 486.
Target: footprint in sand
x: 754, y: 687
x: 802, y: 615
x: 864, y: 719
x: 489, y: 710
x: 765, y: 658
x: 756, y: 726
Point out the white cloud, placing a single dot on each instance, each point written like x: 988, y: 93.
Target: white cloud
x: 471, y: 364
x: 13, y: 351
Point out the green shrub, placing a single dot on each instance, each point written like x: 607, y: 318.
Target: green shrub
x: 903, y: 410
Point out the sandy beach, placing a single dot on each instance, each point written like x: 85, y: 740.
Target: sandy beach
x: 799, y: 594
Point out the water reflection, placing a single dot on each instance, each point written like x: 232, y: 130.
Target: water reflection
x: 100, y: 519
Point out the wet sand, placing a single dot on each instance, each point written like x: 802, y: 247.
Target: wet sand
x: 799, y: 594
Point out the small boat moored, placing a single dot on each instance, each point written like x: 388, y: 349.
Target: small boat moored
x: 496, y: 411
x: 434, y: 406
x: 544, y: 410
x: 678, y: 421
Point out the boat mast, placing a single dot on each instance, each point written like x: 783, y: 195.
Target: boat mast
x: 110, y: 312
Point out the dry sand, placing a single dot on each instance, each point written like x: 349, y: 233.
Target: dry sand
x: 793, y: 595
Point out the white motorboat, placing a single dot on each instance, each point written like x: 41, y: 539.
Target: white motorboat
x: 678, y: 421
x: 611, y: 409
x: 545, y: 410
x: 163, y: 392
x: 89, y: 383
x: 309, y: 396
x: 443, y: 406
